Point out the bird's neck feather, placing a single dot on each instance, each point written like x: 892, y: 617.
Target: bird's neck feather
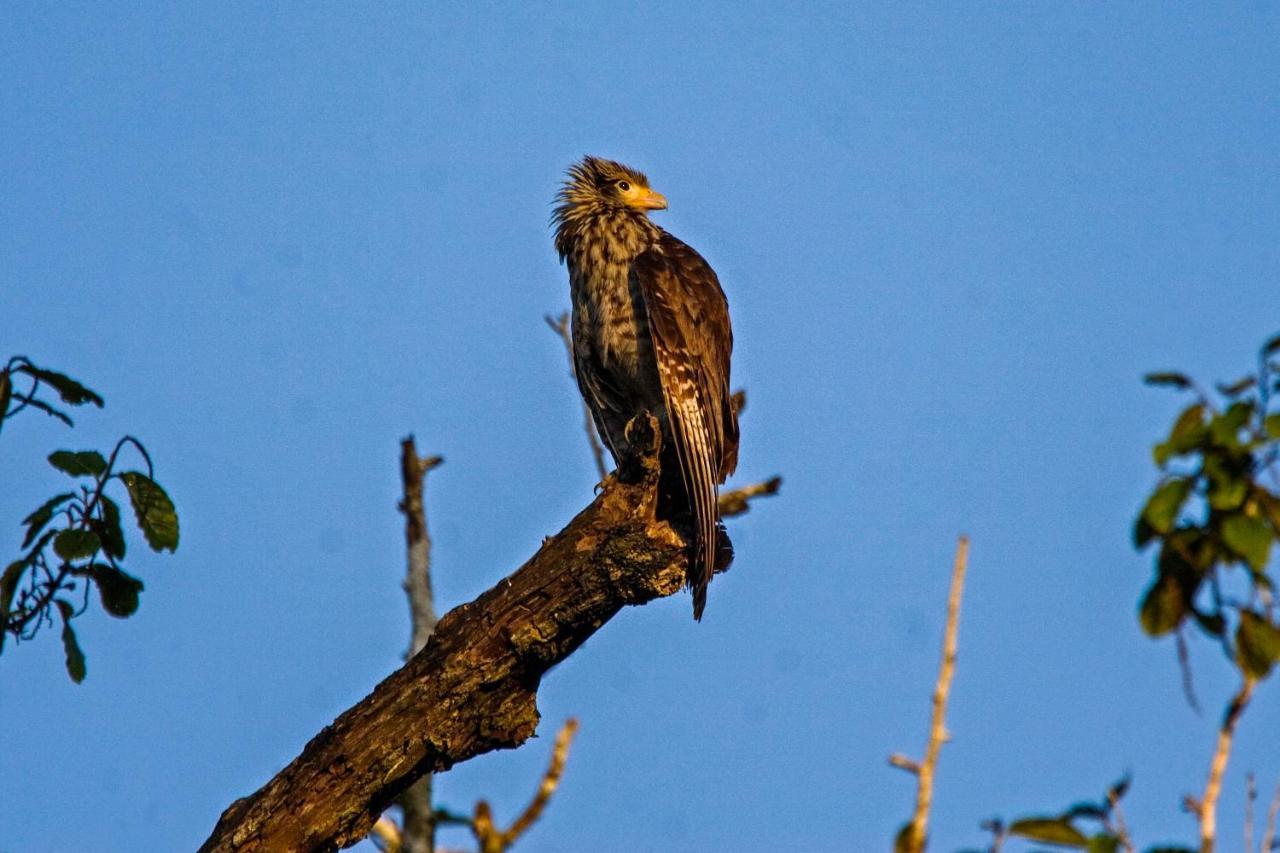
x: 591, y: 235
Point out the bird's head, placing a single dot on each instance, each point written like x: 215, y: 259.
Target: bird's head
x: 599, y: 196
x: 604, y: 185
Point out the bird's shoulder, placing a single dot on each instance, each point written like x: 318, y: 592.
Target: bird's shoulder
x: 674, y: 269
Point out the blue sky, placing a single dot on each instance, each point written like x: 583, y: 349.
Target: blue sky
x: 277, y: 239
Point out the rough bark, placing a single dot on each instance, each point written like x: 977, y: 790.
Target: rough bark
x: 472, y: 689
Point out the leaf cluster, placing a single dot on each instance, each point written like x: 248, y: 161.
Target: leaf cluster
x: 74, y: 542
x: 13, y: 399
x: 1086, y: 825
x: 1217, y: 508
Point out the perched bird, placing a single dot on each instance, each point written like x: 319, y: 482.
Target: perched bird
x: 650, y: 334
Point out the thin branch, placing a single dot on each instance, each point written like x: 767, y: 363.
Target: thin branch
x: 1116, y: 823
x: 917, y: 830
x: 735, y: 501
x: 1250, y: 797
x: 386, y: 831
x: 419, y: 833
x: 494, y: 841
x: 1269, y: 835
x: 473, y: 688
x: 560, y: 325
x: 1207, y: 807
x: 417, y: 585
x: 902, y: 762
x: 1184, y: 669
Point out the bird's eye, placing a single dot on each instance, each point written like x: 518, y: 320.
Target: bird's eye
x: 624, y: 186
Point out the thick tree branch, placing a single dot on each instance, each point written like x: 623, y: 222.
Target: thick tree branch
x: 472, y: 689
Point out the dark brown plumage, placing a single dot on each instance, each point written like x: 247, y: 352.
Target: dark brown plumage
x: 651, y: 334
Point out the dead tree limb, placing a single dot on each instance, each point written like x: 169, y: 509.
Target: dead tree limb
x: 418, y: 830
x: 473, y: 688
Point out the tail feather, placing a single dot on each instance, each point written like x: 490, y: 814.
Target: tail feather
x: 698, y: 471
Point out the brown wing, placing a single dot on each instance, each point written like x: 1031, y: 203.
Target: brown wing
x: 692, y: 342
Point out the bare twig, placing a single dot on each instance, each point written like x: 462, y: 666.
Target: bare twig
x: 1250, y: 797
x: 1269, y: 834
x: 998, y: 832
x: 560, y: 325
x: 902, y: 762
x: 913, y: 837
x: 388, y: 834
x: 1207, y: 806
x: 735, y: 501
x: 419, y: 831
x: 1116, y: 824
x: 493, y: 840
x: 1184, y: 668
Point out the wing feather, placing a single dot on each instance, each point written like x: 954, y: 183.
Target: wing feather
x: 692, y: 342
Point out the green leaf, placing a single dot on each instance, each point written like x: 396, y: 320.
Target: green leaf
x: 1272, y: 425
x: 75, y: 544
x: 1143, y: 533
x: 1227, y: 484
x: 68, y: 389
x: 1225, y: 428
x: 1163, y: 607
x: 1187, y: 434
x: 1211, y: 623
x: 1271, y: 347
x: 118, y: 590
x: 1257, y: 644
x: 1162, y: 507
x: 1054, y: 830
x: 1248, y: 537
x: 75, y: 657
x: 1171, y: 380
x: 155, y: 512
x: 1240, y: 385
x: 1086, y: 809
x: 84, y: 463
x: 9, y: 585
x: 109, y: 530
x: 1103, y: 842
x: 42, y: 516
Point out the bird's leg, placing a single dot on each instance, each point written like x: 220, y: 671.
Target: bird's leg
x: 642, y: 439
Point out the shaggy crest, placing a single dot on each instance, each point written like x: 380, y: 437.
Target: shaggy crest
x: 589, y: 198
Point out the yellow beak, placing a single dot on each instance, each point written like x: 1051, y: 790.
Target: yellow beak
x: 650, y: 200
